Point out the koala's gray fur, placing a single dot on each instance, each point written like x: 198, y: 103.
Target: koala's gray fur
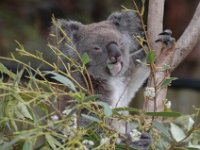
x: 111, y: 42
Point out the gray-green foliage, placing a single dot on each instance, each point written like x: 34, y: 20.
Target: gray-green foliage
x: 29, y: 118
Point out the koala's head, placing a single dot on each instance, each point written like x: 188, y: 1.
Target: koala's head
x: 107, y: 43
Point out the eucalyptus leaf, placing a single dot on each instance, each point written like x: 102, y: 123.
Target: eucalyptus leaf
x: 185, y: 121
x: 8, y: 145
x: 162, y: 129
x: 168, y: 81
x: 53, y: 142
x: 110, y: 66
x: 18, y: 77
x: 85, y: 58
x: 107, y: 109
x: 3, y: 69
x: 123, y: 147
x: 62, y: 79
x: 177, y: 133
x: 164, y: 114
x: 23, y: 110
x: 91, y: 98
x: 27, y: 145
x: 151, y: 56
x: 129, y: 109
x: 91, y: 118
x: 193, y: 148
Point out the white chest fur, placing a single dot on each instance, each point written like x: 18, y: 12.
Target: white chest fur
x: 118, y: 88
x: 124, y: 89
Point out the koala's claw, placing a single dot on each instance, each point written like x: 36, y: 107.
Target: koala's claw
x: 166, y: 32
x: 144, y: 142
x: 166, y: 38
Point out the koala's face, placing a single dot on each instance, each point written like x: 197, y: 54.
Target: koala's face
x: 106, y: 47
x: 107, y: 43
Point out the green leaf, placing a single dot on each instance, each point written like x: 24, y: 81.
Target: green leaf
x: 185, y: 121
x: 53, y: 142
x: 22, y: 111
x: 43, y: 107
x: 27, y: 145
x: 91, y: 118
x: 78, y: 96
x: 123, y: 147
x: 107, y: 109
x: 162, y: 129
x: 143, y: 7
x: 177, y: 133
x: 3, y: 69
x: 151, y: 56
x: 18, y: 77
x: 164, y: 114
x: 16, y: 139
x: 91, y: 98
x: 193, y: 148
x: 110, y: 66
x: 168, y: 81
x: 85, y: 58
x: 39, y: 54
x: 127, y: 109
x: 62, y: 79
x: 10, y: 110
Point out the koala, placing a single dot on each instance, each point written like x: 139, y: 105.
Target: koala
x: 113, y: 51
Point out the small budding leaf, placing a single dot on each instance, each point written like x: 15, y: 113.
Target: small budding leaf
x: 39, y: 54
x: 85, y: 58
x: 151, y: 56
x: 168, y: 81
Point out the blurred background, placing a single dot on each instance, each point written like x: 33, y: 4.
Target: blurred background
x: 29, y: 21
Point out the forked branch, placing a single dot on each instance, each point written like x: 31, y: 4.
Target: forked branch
x: 173, y: 56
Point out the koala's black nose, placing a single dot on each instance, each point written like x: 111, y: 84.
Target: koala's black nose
x: 114, y: 52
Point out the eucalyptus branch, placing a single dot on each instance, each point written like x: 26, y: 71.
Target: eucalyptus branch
x: 188, y: 39
x: 155, y: 22
x: 155, y: 19
x: 172, y: 56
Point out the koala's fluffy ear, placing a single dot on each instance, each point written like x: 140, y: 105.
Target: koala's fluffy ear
x: 126, y: 21
x: 63, y: 29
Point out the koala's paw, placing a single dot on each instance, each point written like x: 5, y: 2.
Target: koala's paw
x: 166, y: 38
x: 142, y: 143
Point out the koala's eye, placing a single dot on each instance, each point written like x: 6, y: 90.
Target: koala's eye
x: 96, y: 48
